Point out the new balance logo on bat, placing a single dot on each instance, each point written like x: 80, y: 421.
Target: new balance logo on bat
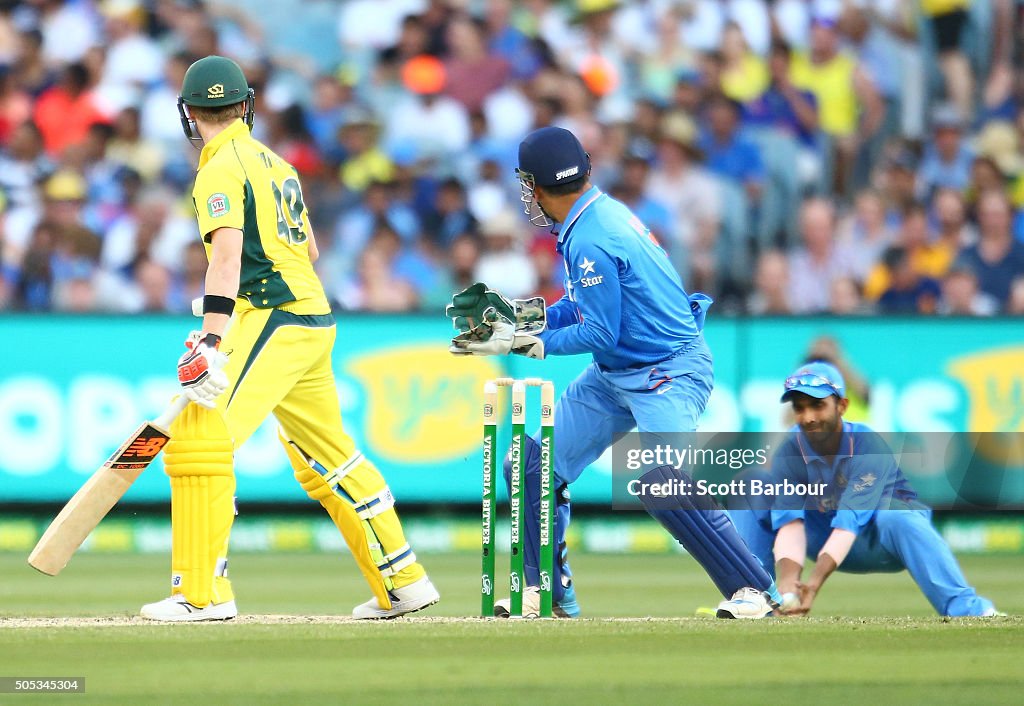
x: 145, y: 448
x: 140, y: 451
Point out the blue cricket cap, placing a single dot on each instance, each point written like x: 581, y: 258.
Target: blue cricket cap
x: 553, y: 155
x: 818, y: 379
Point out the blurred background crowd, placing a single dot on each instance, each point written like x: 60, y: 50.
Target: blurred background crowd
x: 792, y: 156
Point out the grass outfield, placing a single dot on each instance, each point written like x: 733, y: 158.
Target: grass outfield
x: 873, y: 637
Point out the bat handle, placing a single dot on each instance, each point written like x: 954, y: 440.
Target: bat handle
x: 171, y: 413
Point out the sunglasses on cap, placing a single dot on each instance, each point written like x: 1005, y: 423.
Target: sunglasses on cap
x: 809, y: 380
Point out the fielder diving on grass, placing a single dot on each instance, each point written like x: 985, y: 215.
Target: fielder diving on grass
x: 624, y: 304
x: 868, y: 520
x: 276, y: 358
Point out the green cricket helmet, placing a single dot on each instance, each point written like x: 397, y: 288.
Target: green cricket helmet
x: 214, y: 82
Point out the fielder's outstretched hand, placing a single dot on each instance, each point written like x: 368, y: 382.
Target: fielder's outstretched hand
x: 806, y: 593
x: 201, y: 369
x: 790, y: 602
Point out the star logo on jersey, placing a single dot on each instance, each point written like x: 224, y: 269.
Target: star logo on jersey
x: 588, y: 269
x: 866, y: 481
x: 215, y: 91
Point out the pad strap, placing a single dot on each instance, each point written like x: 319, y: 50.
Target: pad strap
x: 397, y: 560
x: 334, y: 478
x: 370, y: 507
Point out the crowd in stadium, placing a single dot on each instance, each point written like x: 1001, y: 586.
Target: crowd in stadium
x: 792, y: 157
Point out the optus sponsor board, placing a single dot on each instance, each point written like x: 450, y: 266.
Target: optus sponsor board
x: 414, y: 408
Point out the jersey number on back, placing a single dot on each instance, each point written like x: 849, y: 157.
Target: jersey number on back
x: 288, y: 202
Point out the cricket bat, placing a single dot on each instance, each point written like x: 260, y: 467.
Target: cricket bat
x: 101, y: 492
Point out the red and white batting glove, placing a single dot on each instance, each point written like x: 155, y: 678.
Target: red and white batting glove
x: 201, y: 369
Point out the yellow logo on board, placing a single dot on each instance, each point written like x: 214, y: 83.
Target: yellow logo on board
x: 994, y: 381
x: 423, y: 404
x: 215, y: 91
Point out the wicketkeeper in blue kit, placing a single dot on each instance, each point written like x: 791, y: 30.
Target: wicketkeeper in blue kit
x: 624, y: 303
x: 864, y: 517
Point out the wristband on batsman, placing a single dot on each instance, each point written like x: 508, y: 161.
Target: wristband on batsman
x: 216, y: 304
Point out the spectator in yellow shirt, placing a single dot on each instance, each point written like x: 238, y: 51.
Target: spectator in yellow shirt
x: 365, y: 161
x: 928, y: 259
x: 850, y: 108
x: 744, y: 74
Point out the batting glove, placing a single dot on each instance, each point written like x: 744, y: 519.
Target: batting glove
x: 201, y: 369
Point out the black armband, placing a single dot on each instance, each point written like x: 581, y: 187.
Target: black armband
x: 216, y: 304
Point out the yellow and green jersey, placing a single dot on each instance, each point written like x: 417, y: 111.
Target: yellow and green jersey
x: 242, y: 184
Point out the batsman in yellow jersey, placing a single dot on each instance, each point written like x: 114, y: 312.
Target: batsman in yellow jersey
x: 275, y: 358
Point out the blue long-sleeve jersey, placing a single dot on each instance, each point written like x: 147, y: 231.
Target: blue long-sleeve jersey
x: 860, y: 481
x: 624, y: 302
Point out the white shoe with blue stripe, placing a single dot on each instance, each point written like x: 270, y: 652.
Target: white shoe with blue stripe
x: 407, y: 599
x: 746, y: 604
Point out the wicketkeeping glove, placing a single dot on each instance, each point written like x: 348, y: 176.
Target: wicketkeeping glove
x: 498, y: 338
x: 201, y: 369
x: 477, y: 304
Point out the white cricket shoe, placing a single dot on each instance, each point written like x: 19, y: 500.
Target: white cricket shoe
x: 531, y: 606
x: 407, y: 599
x: 176, y: 609
x: 746, y: 604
